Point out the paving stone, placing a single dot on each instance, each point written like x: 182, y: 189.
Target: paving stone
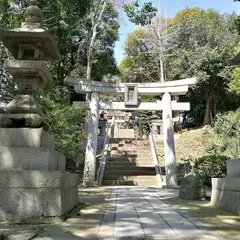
x: 22, y: 236
x: 127, y: 223
x: 107, y: 225
x: 152, y: 223
x: 180, y: 225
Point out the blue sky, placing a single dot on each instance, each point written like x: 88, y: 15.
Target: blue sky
x: 170, y: 8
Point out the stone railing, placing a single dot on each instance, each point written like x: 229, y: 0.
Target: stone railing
x: 155, y: 159
x: 104, y: 153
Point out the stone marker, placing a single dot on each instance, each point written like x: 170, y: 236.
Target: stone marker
x: 190, y: 188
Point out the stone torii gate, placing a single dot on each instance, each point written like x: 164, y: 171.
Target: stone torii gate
x: 130, y: 91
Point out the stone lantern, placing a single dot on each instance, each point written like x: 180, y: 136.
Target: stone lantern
x: 156, y: 123
x: 33, y: 181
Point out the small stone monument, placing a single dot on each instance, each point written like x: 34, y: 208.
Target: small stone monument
x: 33, y: 181
x: 190, y: 188
x: 156, y: 123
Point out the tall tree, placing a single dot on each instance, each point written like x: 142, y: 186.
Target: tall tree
x: 99, y: 31
x: 202, y: 43
x: 139, y: 65
x: 206, y: 41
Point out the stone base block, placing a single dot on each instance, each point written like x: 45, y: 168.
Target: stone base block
x: 226, y: 194
x: 31, y: 194
x: 25, y: 137
x: 27, y: 158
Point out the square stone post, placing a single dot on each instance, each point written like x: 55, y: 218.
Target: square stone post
x: 112, y: 127
x: 169, y: 145
x: 91, y: 148
x: 154, y: 129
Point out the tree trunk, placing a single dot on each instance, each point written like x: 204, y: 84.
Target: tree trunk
x: 162, y: 69
x: 89, y: 68
x: 95, y: 23
x: 90, y: 55
x: 207, y: 118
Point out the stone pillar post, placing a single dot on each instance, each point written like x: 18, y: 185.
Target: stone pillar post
x: 91, y: 148
x: 154, y: 129
x: 169, y: 145
x: 112, y: 127
x: 103, y: 130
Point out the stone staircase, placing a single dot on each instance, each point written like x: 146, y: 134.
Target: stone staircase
x: 130, y: 162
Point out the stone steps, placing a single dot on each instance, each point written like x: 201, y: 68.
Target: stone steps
x: 130, y: 177
x: 129, y: 140
x: 122, y: 166
x: 129, y: 172
x: 129, y: 147
x: 127, y: 160
x: 130, y: 163
x: 132, y: 181
x: 131, y: 152
x: 130, y: 156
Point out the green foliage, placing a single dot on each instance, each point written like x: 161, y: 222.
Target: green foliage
x: 140, y: 14
x: 226, y: 134
x: 210, y: 166
x: 138, y: 65
x: 144, y: 122
x: 204, y: 52
x: 98, y: 31
x: 203, y: 43
x: 234, y: 85
x: 138, y: 69
x: 222, y: 143
x: 237, y: 21
x: 65, y: 121
x: 71, y: 22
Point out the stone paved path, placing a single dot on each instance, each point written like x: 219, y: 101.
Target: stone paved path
x: 128, y: 213
x: 140, y: 212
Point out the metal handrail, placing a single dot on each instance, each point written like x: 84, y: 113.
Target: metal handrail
x: 155, y: 158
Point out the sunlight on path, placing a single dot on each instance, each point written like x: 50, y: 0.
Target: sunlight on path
x: 129, y: 212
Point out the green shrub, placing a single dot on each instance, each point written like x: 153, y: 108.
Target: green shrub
x: 226, y: 134
x: 210, y: 166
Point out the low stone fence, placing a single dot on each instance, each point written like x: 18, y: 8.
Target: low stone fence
x: 226, y: 191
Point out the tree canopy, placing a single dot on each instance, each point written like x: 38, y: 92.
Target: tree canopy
x: 202, y: 45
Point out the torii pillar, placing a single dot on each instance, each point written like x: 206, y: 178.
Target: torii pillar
x: 169, y: 145
x: 91, y: 148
